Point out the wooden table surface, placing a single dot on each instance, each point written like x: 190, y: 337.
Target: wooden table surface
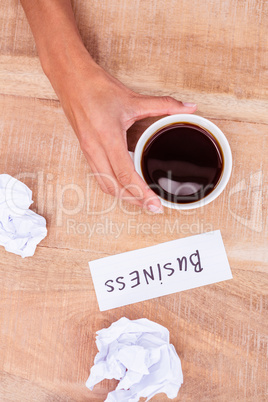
x: 211, y: 52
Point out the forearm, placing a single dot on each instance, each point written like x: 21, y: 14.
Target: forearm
x: 57, y: 38
x: 99, y: 107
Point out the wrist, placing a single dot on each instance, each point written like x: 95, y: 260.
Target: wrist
x: 58, y: 41
x: 64, y: 57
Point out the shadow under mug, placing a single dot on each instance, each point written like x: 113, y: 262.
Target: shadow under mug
x: 207, y: 126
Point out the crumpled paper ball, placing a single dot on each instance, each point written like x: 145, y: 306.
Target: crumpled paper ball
x: 20, y: 228
x: 139, y: 355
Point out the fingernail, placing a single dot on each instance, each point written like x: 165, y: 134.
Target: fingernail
x: 187, y: 104
x: 155, y: 209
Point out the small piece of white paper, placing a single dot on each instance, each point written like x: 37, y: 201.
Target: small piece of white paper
x: 139, y: 355
x: 20, y: 228
x: 160, y: 270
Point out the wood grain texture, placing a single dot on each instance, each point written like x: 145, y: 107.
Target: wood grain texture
x: 49, y: 312
x: 214, y: 53
x: 81, y: 217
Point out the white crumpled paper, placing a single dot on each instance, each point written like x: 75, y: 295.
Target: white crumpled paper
x: 137, y: 353
x: 20, y: 228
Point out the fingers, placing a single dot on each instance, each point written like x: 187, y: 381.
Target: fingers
x: 111, y: 163
x: 127, y: 177
x: 148, y: 106
x: 106, y: 179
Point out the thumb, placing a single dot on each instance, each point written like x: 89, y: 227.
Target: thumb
x: 148, y: 106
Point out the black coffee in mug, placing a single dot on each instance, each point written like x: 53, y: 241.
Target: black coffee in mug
x: 182, y: 162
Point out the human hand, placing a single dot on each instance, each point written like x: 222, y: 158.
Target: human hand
x: 101, y: 109
x: 98, y: 106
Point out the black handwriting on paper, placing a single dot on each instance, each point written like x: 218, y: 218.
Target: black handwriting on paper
x: 135, y: 278
x: 197, y: 265
x: 111, y: 288
x: 155, y: 273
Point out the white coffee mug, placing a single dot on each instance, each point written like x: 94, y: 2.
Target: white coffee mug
x: 205, y: 124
